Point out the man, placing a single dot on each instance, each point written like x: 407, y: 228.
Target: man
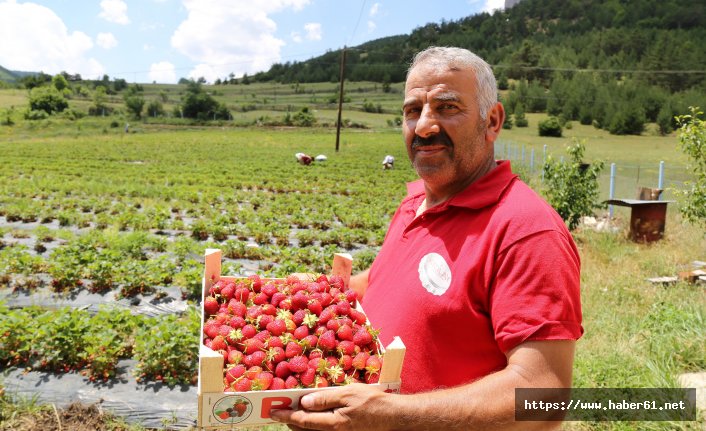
x: 477, y: 275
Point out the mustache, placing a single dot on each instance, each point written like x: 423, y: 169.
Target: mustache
x: 437, y: 139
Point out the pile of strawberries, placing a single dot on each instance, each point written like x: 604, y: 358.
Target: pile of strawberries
x: 289, y: 333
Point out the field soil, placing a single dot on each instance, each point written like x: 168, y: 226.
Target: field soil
x: 76, y: 417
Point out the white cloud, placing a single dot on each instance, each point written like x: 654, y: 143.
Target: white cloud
x: 371, y: 26
x: 114, y: 11
x: 106, y: 40
x: 374, y: 9
x: 296, y: 37
x: 35, y: 39
x: 491, y: 5
x: 163, y: 72
x: 226, y: 36
x: 313, y: 30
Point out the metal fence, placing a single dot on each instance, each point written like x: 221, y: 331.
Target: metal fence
x: 617, y: 180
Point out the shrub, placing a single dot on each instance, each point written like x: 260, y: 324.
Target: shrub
x: 47, y: 99
x: 550, y: 127
x: 692, y: 137
x: 572, y: 188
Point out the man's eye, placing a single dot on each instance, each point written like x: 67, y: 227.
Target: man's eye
x: 447, y: 106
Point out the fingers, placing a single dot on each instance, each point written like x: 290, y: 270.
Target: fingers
x: 324, y: 400
x: 303, y: 420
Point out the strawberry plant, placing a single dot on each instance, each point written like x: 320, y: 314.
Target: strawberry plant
x: 166, y: 350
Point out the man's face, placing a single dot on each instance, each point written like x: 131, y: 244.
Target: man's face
x: 443, y: 131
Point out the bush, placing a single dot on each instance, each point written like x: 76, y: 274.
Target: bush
x: 47, y: 99
x: 550, y: 127
x: 628, y: 120
x: 572, y: 188
x: 692, y: 137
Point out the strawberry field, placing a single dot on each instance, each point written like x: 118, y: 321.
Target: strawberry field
x: 102, y: 237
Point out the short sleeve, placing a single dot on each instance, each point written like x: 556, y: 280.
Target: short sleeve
x: 535, y: 294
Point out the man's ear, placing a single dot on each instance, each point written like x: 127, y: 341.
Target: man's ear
x: 494, y: 122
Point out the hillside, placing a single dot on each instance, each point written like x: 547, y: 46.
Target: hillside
x: 538, y: 39
x: 7, y: 75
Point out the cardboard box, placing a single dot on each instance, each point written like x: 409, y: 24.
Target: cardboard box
x: 255, y: 406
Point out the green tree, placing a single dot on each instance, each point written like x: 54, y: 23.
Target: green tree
x: 134, y: 101
x: 692, y: 138
x: 572, y: 187
x: 550, y: 127
x: 60, y: 83
x: 47, y: 99
x: 100, y: 101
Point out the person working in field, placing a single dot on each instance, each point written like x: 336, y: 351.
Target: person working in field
x: 477, y: 274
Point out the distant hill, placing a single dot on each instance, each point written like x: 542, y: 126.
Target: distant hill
x: 8, y: 75
x: 540, y: 39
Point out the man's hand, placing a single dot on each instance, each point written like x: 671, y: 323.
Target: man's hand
x: 350, y: 408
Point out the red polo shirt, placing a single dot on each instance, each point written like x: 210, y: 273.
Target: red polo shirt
x: 472, y: 278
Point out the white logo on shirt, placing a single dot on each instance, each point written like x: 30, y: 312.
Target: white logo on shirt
x: 435, y: 274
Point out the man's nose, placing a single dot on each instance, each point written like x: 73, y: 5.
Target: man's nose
x: 427, y: 124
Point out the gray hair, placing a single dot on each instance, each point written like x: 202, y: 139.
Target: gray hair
x: 460, y: 58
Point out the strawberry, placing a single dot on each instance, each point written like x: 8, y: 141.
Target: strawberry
x: 345, y: 332
x: 252, y: 345
x: 314, y: 305
x: 298, y: 364
x: 276, y: 354
x: 373, y: 364
x: 291, y: 382
x: 218, y: 343
x: 371, y: 378
x: 235, y: 372
x: 263, y: 320
x: 269, y: 309
x: 261, y: 298
x: 263, y: 381
x: 310, y: 341
x: 234, y: 337
x: 346, y: 362
x: 346, y: 347
x: 256, y: 283
x: 243, y: 384
x: 327, y: 314
x: 227, y: 292
x: 351, y: 297
x: 293, y: 349
x: 240, y: 408
x: 358, y: 316
x: 327, y: 341
x: 224, y: 330
x: 343, y: 308
x: 307, y: 377
x: 255, y: 358
x: 362, y: 337
x: 249, y: 331
x: 211, y: 306
x: 269, y: 289
x: 274, y: 342
x: 336, y: 281
x: 276, y: 298
x: 235, y: 357
x: 242, y: 294
x: 210, y: 328
x: 277, y: 384
x: 360, y: 360
x: 320, y: 382
x: 282, y: 370
x: 236, y: 322
x: 301, y: 332
x: 278, y: 326
x: 253, y: 371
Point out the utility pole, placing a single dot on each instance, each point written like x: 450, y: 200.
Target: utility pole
x: 340, y: 96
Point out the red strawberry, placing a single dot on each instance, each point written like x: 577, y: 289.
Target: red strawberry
x: 224, y: 330
x: 351, y: 297
x: 240, y: 408
x: 256, y: 282
x: 224, y: 415
x: 298, y: 364
x: 227, y: 292
x: 371, y: 378
x: 253, y: 371
x: 235, y: 372
x: 242, y: 385
x: 362, y: 337
x: 255, y: 358
x: 277, y: 384
x: 242, y: 294
x: 236, y: 322
x: 261, y: 298
x: 327, y: 341
x: 218, y: 343
x: 210, y: 328
x: 282, y: 370
x: 252, y: 345
x: 301, y: 332
x: 291, y: 382
x: 373, y: 364
x: 269, y: 289
x: 346, y: 362
x: 320, y: 382
x: 235, y: 357
x: 310, y: 341
x: 293, y: 349
x: 211, y: 306
x: 328, y: 314
x: 263, y: 381
x: 274, y: 342
x: 264, y: 320
x: 278, y: 327
x: 249, y: 331
x: 315, y: 306
x: 360, y: 360
x: 269, y: 309
x: 345, y: 332
x: 307, y: 377
x: 358, y: 316
x: 276, y: 298
x: 343, y: 308
x: 346, y: 347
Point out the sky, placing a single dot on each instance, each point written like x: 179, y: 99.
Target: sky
x: 164, y: 40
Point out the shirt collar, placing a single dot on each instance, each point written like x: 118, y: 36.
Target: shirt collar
x: 481, y: 193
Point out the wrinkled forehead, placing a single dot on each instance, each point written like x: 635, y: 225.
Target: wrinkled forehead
x: 439, y: 79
